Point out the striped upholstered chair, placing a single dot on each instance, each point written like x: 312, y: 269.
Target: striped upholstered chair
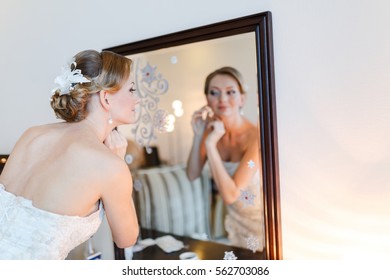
x: 167, y: 201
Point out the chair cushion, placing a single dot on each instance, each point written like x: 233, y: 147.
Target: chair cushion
x: 169, y: 202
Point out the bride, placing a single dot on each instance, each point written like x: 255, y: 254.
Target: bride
x: 61, y: 178
x: 229, y: 143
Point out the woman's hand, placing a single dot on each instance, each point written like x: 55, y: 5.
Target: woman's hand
x: 117, y: 143
x: 217, y: 130
x: 199, y: 120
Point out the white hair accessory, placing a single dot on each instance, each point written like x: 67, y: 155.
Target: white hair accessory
x: 69, y: 77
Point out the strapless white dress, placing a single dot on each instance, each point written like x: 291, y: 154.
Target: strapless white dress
x: 245, y: 218
x: 27, y: 232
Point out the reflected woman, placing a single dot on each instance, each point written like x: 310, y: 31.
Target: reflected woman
x: 62, y: 177
x: 229, y: 143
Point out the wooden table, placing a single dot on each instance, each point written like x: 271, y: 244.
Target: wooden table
x: 206, y: 250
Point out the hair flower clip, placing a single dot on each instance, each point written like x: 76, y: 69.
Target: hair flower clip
x: 68, y: 78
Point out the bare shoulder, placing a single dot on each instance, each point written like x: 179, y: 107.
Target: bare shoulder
x: 112, y: 164
x: 29, y: 135
x: 252, y: 133
x: 34, y: 131
x: 43, y: 128
x: 40, y: 130
x: 112, y: 169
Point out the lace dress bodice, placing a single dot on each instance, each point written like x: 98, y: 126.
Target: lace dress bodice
x: 245, y: 217
x: 27, y: 232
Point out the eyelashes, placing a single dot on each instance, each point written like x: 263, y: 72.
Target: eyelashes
x: 218, y: 93
x: 231, y: 92
x: 214, y: 92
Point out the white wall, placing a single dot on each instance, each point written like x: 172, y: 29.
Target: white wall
x: 332, y: 64
x: 333, y: 95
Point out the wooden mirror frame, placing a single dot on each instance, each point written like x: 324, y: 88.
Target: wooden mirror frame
x: 261, y: 24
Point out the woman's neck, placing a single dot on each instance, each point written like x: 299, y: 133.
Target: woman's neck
x: 97, y: 126
x: 233, y: 124
x: 97, y: 119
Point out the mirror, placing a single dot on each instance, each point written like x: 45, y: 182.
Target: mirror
x: 182, y: 60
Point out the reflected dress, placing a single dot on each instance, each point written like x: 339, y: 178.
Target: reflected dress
x: 27, y: 232
x: 244, y: 219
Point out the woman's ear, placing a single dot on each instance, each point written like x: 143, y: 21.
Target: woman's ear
x: 104, y: 99
x: 243, y: 99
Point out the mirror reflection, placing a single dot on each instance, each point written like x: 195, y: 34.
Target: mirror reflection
x: 202, y: 177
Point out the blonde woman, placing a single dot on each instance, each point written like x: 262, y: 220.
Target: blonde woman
x: 62, y: 177
x: 229, y: 143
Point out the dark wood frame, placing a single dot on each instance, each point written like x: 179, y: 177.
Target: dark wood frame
x: 2, y: 164
x: 261, y: 24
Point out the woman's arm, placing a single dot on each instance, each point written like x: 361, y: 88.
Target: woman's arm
x: 196, y: 159
x: 117, y: 194
x: 197, y: 156
x: 119, y: 206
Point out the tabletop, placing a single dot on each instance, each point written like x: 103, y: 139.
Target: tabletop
x: 205, y: 250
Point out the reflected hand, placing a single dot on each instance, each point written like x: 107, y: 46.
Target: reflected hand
x: 117, y: 143
x: 217, y: 130
x: 199, y: 120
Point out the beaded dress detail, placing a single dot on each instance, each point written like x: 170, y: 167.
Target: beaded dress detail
x: 243, y: 220
x: 50, y: 235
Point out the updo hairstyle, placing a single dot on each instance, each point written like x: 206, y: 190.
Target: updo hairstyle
x: 227, y: 70
x: 106, y: 71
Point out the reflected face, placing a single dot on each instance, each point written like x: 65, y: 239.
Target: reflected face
x: 126, y: 102
x: 224, y: 96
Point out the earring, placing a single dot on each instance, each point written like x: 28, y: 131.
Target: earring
x: 241, y: 111
x: 110, y: 120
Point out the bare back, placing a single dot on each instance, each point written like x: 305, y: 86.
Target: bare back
x: 59, y: 167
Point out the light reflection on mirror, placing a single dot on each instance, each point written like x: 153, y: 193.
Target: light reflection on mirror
x: 185, y: 68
